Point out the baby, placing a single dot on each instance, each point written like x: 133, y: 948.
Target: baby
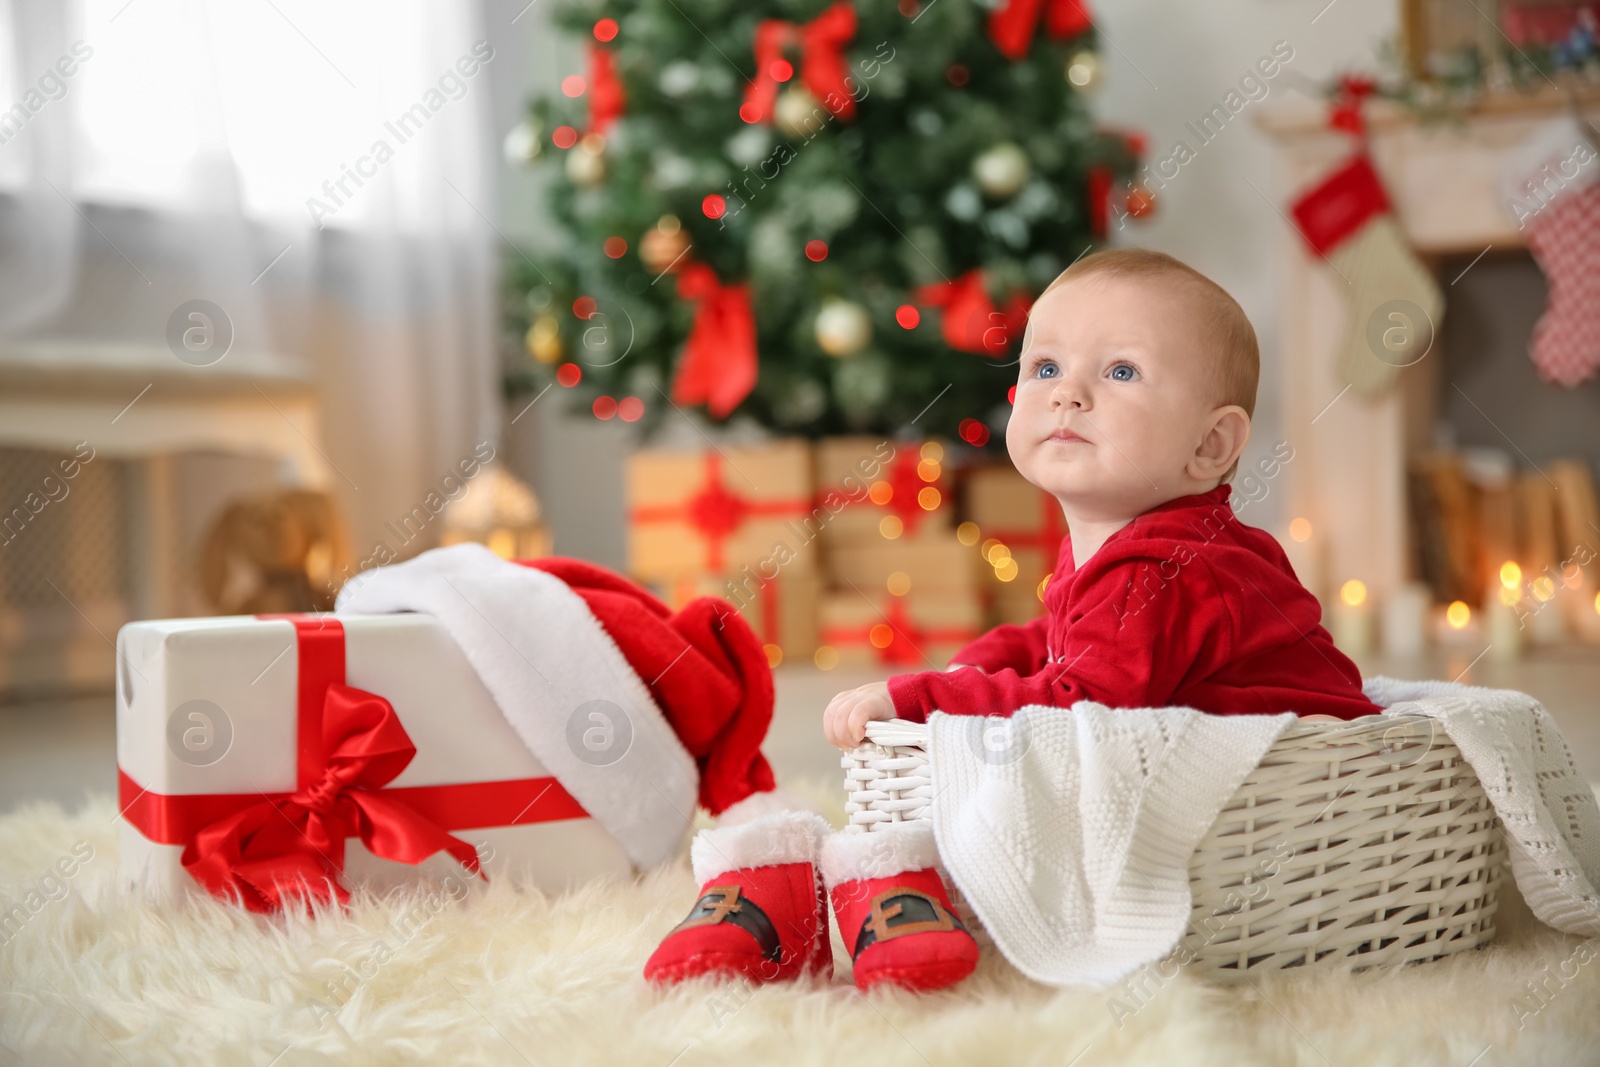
x: 1134, y: 394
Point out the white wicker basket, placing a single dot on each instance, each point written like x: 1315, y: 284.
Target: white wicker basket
x: 1361, y: 843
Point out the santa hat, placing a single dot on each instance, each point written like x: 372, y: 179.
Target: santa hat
x: 639, y: 712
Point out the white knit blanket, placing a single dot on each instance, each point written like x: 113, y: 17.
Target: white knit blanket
x: 1070, y: 833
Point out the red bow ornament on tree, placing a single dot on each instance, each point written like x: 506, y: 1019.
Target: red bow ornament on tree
x: 294, y: 845
x: 606, y: 98
x: 719, y: 360
x: 822, y: 64
x: 970, y: 322
x: 1012, y: 25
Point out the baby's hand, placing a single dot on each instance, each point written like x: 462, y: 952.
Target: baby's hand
x: 845, y: 721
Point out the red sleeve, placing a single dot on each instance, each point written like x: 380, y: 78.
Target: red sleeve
x: 1120, y: 650
x: 1019, y: 647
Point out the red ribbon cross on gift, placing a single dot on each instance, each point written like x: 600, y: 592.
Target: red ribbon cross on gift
x: 265, y: 848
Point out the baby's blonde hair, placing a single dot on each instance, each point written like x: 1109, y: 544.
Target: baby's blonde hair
x: 1225, y: 328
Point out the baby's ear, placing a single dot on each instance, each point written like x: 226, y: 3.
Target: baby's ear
x: 1221, y: 444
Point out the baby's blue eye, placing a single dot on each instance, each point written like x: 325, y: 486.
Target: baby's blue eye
x: 1046, y: 369
x: 1123, y: 372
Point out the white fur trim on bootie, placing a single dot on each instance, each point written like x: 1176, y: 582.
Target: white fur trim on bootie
x: 767, y: 802
x: 777, y: 837
x: 848, y: 856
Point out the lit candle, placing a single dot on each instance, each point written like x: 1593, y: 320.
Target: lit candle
x: 1352, y: 619
x: 1542, y: 617
x: 1405, y: 621
x: 1458, y: 629
x: 1505, y: 610
x: 1506, y: 632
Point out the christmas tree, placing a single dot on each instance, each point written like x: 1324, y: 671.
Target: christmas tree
x: 823, y: 216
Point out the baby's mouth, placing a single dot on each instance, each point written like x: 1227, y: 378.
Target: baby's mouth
x: 1067, y: 437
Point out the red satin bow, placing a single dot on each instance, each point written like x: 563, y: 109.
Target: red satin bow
x: 606, y: 98
x: 1345, y: 112
x: 1012, y: 26
x: 296, y: 846
x: 970, y: 321
x: 822, y: 64
x: 719, y: 361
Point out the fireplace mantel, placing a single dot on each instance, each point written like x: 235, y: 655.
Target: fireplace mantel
x: 1348, y: 474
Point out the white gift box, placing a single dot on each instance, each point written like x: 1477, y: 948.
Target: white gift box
x: 209, y: 706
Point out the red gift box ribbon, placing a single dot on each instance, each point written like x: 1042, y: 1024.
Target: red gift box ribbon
x: 264, y: 847
x: 905, y: 644
x: 1052, y: 529
x: 904, y: 485
x: 716, y: 512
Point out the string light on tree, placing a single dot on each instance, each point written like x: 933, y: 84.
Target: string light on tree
x: 1083, y: 71
x: 1140, y: 203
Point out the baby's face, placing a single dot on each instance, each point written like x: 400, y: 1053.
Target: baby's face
x: 1114, y: 396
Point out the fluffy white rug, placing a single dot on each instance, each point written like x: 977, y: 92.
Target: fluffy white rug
x: 502, y: 977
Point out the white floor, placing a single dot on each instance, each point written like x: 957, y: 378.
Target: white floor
x: 62, y: 750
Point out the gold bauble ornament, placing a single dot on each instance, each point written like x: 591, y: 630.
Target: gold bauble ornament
x: 543, y: 339
x: 798, y: 113
x: 1001, y: 171
x: 843, y: 328
x: 1083, y: 71
x: 663, y: 245
x: 586, y: 161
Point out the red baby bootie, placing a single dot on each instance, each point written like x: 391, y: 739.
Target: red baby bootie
x: 762, y: 913
x: 893, y: 910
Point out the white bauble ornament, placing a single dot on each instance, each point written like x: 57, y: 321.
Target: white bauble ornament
x: 798, y: 113
x: 843, y: 328
x: 523, y: 144
x: 1001, y: 171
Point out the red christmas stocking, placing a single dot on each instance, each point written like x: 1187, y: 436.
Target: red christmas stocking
x: 893, y: 911
x: 761, y: 912
x: 1565, y: 238
x: 1395, y: 304
x: 1550, y: 185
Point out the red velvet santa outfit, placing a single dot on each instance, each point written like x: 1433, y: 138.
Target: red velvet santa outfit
x: 1185, y: 605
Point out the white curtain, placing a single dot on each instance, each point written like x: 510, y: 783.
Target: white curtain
x: 319, y: 171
